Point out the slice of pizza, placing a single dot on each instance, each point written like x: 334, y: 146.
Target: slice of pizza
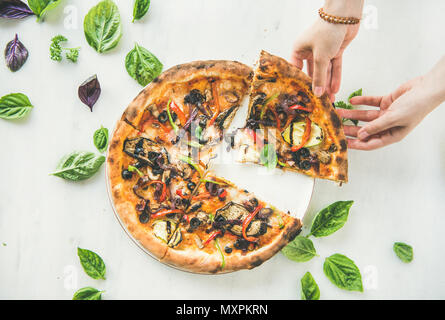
x: 288, y: 126
x: 227, y: 229
x: 189, y: 105
x: 186, y: 216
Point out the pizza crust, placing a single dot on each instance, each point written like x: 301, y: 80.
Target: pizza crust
x: 199, y: 261
x: 184, y: 73
x: 120, y: 194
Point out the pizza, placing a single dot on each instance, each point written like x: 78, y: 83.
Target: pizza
x: 162, y: 185
x: 288, y: 126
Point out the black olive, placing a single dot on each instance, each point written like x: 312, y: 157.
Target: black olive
x: 304, y: 152
x: 157, y: 170
x: 144, y: 217
x: 212, y: 188
x: 241, y: 244
x: 171, y: 215
x: 163, y: 117
x: 126, y: 175
x: 195, y: 207
x: 228, y: 249
x: 194, y: 97
x: 191, y: 186
x: 174, y: 116
x: 304, y: 165
x: 185, y: 202
x: 195, y: 222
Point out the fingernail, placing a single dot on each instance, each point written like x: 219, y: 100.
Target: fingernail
x: 318, y: 91
x: 362, y: 135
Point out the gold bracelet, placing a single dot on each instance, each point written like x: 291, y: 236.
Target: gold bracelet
x: 335, y: 19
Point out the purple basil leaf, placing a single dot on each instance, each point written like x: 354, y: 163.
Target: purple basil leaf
x: 89, y: 91
x: 14, y: 9
x: 15, y: 54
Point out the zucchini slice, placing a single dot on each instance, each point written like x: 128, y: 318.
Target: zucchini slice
x: 294, y: 133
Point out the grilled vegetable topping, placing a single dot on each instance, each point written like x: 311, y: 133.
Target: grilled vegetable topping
x: 232, y: 215
x: 164, y: 229
x: 294, y: 134
x: 143, y: 149
x: 175, y: 239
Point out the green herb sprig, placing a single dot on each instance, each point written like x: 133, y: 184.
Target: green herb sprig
x: 347, y: 105
x: 56, y: 50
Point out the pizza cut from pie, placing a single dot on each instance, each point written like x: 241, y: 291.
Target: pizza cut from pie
x: 185, y: 215
x: 288, y: 126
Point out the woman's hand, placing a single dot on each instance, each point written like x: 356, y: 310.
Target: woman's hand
x: 323, y: 44
x: 322, y: 47
x: 398, y: 113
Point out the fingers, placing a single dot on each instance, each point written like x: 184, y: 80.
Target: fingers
x: 297, y: 61
x: 384, y: 122
x: 321, y: 65
x: 366, y: 100
x: 351, y: 131
x: 310, y: 67
x: 378, y: 141
x: 336, y: 74
x: 362, y: 115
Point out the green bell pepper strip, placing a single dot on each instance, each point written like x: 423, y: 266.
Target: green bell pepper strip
x: 174, y: 126
x: 134, y: 169
x: 217, y: 245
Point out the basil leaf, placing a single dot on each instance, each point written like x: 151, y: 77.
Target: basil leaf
x: 344, y: 105
x: 309, y: 288
x: 88, y: 293
x: 356, y: 93
x: 403, y: 251
x: 15, y: 54
x: 41, y: 7
x: 268, y: 157
x: 14, y: 106
x: 89, y: 91
x: 140, y: 9
x: 343, y: 272
x: 14, y: 9
x: 331, y: 218
x: 92, y: 263
x: 100, y: 139
x: 102, y: 26
x: 142, y: 65
x: 78, y: 166
x: 301, y: 249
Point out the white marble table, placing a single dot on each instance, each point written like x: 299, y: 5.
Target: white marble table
x: 398, y: 191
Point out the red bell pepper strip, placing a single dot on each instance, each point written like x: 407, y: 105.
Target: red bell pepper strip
x: 247, y: 221
x: 218, y: 109
x: 212, y: 236
x: 300, y: 107
x: 253, y: 134
x: 179, y: 193
x: 223, y: 194
x: 306, y: 135
x: 163, y: 213
x: 181, y: 116
x: 202, y: 196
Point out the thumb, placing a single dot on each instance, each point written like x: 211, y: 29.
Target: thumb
x: 321, y: 65
x: 384, y: 122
